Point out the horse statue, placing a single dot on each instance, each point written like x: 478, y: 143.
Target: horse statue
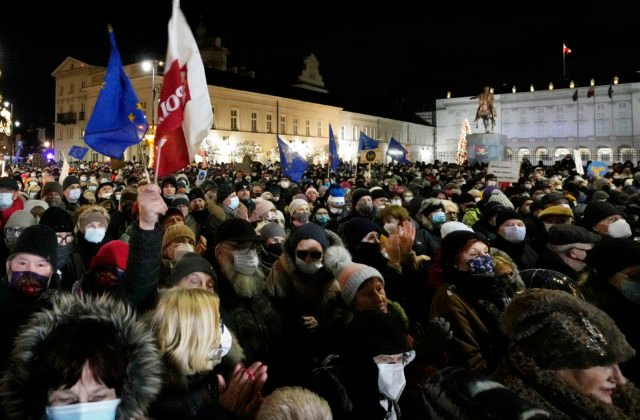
x: 485, y: 110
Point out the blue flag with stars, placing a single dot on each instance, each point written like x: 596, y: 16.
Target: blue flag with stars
x: 78, y: 152
x: 293, y: 165
x: 117, y: 120
x: 397, y: 151
x: 333, y: 151
x: 366, y: 142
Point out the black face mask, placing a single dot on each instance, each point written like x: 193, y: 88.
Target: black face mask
x: 274, y: 248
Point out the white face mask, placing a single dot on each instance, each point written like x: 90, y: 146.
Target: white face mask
x: 105, y: 195
x: 396, y: 202
x: 246, y: 261
x: 234, y: 203
x: 102, y: 410
x: 308, y: 268
x: 74, y: 194
x: 180, y: 250
x: 619, y: 229
x: 335, y: 210
x: 515, y: 234
x: 94, y: 235
x: 6, y: 200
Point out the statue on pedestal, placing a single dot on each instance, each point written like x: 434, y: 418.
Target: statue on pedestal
x: 485, y: 110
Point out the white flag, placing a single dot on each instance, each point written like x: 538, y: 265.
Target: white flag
x: 184, y: 111
x: 64, y: 172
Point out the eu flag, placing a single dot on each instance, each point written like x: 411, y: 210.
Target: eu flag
x: 117, y: 121
x: 397, y: 151
x: 293, y: 165
x: 78, y: 152
x: 333, y: 151
x: 366, y: 142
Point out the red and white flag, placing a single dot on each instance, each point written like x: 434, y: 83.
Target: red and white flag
x: 184, y: 111
x: 565, y: 49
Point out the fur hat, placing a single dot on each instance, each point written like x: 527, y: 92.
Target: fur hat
x: 29, y: 205
x: 57, y: 219
x: 20, y: 218
x: 336, y: 196
x: 224, y: 190
x: 93, y: 214
x: 189, y: 263
x: 296, y: 204
x: 597, y: 211
x: 559, y: 331
x: 429, y: 205
x: 174, y: 232
x: 113, y: 253
x: 350, y: 275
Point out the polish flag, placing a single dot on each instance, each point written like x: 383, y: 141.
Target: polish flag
x: 565, y: 49
x: 184, y: 111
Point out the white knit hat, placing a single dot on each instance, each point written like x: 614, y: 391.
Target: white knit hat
x: 453, y: 226
x: 296, y: 204
x: 350, y: 275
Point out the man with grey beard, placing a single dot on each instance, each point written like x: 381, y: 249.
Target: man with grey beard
x: 244, y: 307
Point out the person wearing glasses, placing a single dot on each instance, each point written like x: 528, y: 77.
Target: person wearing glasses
x: 298, y: 284
x: 70, y: 269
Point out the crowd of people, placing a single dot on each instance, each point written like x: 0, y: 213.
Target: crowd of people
x: 402, y: 291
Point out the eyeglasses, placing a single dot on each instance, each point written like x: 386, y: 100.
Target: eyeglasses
x: 65, y: 238
x: 316, y: 255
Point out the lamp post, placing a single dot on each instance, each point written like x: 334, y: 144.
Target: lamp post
x: 152, y: 66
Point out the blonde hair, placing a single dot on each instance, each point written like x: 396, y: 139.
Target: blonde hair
x: 293, y: 403
x: 186, y: 323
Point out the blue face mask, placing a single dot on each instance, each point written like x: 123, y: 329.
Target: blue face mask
x: 439, y: 218
x: 94, y: 235
x: 102, y: 410
x: 481, y: 264
x: 322, y: 219
x: 515, y: 234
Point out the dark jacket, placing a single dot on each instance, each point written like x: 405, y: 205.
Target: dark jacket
x: 522, y: 253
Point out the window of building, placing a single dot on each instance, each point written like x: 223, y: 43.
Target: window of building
x: 213, y: 113
x: 561, y: 152
x: 71, y: 88
x: 61, y: 90
x: 83, y: 84
x: 234, y: 119
x: 295, y: 126
x: 269, y: 123
x: 343, y: 132
x: 307, y: 125
x: 604, y: 154
x: 283, y: 124
x: 71, y: 132
x: 542, y: 153
x: 61, y: 133
x: 319, y: 128
x: 508, y: 153
x: 628, y: 153
x: 254, y: 122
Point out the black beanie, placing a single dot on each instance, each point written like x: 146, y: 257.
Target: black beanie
x: 223, y: 192
x: 611, y: 255
x: 357, y: 194
x: 38, y: 240
x: 356, y: 229
x: 57, y: 219
x: 69, y: 181
x: 505, y: 215
x: 196, y: 193
x: 189, y: 263
x: 596, y: 211
x: 453, y: 244
x: 307, y: 231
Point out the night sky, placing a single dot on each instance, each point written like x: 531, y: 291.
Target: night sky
x: 397, y: 57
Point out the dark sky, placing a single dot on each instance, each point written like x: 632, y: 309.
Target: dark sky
x: 386, y: 56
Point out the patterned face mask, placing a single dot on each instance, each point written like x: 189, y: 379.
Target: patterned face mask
x: 481, y: 264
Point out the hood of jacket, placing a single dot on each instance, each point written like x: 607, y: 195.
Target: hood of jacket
x: 144, y: 366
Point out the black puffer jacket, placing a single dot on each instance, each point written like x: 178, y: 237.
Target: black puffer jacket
x: 144, y: 366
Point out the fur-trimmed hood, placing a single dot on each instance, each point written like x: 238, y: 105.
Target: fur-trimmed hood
x: 144, y: 368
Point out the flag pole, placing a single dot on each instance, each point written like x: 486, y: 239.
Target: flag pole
x: 160, y: 144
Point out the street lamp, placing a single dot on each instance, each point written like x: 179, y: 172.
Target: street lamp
x: 152, y: 66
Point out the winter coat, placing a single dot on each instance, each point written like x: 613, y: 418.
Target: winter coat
x: 18, y: 204
x: 144, y: 367
x: 458, y: 393
x: 522, y: 253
